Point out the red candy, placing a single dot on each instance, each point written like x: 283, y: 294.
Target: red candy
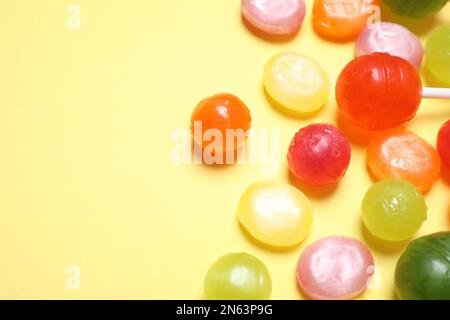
x: 443, y: 144
x: 379, y: 91
x: 319, y: 155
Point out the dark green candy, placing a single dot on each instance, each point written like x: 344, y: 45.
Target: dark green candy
x: 416, y: 8
x: 423, y: 270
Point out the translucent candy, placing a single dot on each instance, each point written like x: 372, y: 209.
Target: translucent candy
x: 238, y: 276
x: 319, y: 155
x: 274, y: 17
x: 404, y: 155
x: 416, y: 8
x: 220, y: 113
x: 341, y: 20
x: 334, y: 268
x: 393, y: 210
x: 379, y: 91
x: 443, y: 144
x: 391, y: 38
x: 423, y: 270
x: 296, y: 82
x: 275, y: 214
x: 437, y: 53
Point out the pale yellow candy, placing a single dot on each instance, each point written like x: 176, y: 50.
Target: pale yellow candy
x: 275, y: 214
x: 296, y: 82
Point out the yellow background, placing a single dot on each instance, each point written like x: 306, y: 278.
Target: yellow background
x: 86, y: 176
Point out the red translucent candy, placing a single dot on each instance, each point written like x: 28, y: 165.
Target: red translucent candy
x: 319, y: 154
x: 379, y: 91
x: 443, y: 144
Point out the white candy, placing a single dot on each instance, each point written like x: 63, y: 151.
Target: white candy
x: 275, y: 17
x: 393, y: 39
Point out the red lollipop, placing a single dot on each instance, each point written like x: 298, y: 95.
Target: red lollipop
x: 319, y: 154
x: 379, y: 91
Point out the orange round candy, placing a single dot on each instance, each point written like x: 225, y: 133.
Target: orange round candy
x: 223, y: 115
x: 401, y: 154
x: 341, y: 20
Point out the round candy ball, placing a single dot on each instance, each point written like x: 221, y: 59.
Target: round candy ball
x: 379, y: 91
x: 319, y: 155
x: 274, y: 17
x: 391, y: 38
x: 335, y: 268
x: 275, y: 214
x: 416, y: 8
x: 341, y: 20
x: 401, y: 154
x: 297, y: 83
x: 217, y: 114
x: 437, y: 57
x: 393, y: 210
x: 443, y: 144
x: 423, y: 270
x: 238, y: 276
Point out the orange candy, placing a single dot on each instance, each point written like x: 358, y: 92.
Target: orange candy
x: 220, y: 115
x: 342, y: 20
x: 403, y: 155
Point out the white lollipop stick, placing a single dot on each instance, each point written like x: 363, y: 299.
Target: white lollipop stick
x: 436, y: 93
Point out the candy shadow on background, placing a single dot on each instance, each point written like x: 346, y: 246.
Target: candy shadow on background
x: 312, y: 191
x: 289, y: 113
x: 382, y: 245
x: 357, y: 135
x: 268, y: 37
x: 265, y: 246
x: 417, y: 26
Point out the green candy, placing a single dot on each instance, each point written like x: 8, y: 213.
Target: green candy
x: 238, y: 276
x: 423, y: 270
x: 416, y: 8
x: 437, y: 54
x: 393, y: 210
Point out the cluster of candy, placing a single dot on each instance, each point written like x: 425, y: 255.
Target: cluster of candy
x: 380, y: 90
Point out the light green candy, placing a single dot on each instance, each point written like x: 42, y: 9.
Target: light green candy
x: 238, y: 276
x: 437, y: 54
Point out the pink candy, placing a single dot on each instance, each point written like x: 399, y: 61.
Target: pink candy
x: 334, y: 268
x: 393, y: 39
x: 274, y: 17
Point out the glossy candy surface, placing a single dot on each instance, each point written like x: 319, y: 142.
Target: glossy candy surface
x: 393, y: 210
x: 296, y: 82
x: 443, y: 144
x: 238, y: 276
x: 341, y: 20
x: 437, y: 53
x: 416, y: 8
x: 274, y: 17
x: 391, y: 38
x: 423, y: 270
x: 379, y: 91
x: 402, y: 154
x: 275, y: 214
x: 334, y: 268
x: 220, y: 112
x: 319, y: 154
